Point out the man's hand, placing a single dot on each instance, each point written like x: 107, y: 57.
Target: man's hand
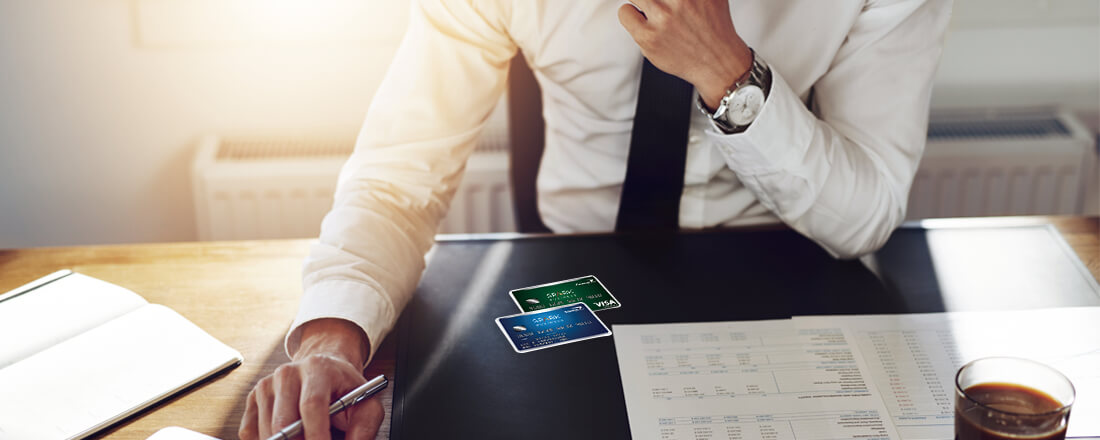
x: 326, y: 366
x: 692, y: 39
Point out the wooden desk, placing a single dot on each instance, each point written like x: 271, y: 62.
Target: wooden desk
x: 246, y: 294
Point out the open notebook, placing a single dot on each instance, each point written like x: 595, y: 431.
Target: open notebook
x: 78, y: 354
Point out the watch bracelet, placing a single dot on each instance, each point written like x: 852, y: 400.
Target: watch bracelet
x: 759, y: 73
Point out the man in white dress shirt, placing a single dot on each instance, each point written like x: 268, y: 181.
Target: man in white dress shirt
x: 838, y: 171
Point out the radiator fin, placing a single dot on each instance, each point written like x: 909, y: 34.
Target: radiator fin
x: 998, y: 129
x: 282, y: 149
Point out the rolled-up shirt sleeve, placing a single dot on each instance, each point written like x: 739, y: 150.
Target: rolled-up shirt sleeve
x: 841, y: 174
x: 422, y: 125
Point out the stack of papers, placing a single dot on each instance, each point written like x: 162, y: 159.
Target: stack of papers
x: 835, y: 377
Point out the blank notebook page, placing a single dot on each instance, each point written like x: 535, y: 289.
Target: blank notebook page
x: 107, y: 373
x: 58, y: 311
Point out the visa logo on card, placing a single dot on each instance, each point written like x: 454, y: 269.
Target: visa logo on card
x: 550, y: 327
x: 587, y: 289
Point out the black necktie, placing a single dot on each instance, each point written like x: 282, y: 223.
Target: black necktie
x: 658, y: 153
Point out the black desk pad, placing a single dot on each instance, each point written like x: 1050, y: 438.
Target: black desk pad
x: 457, y: 377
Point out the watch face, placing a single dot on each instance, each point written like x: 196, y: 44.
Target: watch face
x: 745, y: 105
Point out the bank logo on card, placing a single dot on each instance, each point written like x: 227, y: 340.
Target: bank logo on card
x: 587, y: 290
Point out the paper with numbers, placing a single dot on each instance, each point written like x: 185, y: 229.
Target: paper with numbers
x: 816, y: 377
x: 913, y: 358
x: 747, y: 380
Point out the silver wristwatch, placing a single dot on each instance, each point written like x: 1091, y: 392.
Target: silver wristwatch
x: 743, y: 100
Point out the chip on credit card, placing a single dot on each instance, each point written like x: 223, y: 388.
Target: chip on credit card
x: 550, y: 327
x: 587, y: 289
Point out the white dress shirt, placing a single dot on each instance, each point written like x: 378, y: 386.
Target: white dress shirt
x: 838, y: 173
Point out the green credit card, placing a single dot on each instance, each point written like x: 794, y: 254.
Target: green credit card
x: 588, y: 290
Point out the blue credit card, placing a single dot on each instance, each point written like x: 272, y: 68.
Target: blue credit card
x: 550, y: 327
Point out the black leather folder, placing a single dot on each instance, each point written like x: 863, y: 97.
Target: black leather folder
x: 457, y: 376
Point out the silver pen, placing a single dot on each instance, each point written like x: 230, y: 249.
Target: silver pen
x: 359, y: 394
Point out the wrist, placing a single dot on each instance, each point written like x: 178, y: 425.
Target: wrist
x: 721, y: 74
x: 334, y: 337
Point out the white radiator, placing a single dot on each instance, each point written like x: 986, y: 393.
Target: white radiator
x: 975, y: 164
x: 256, y: 189
x: 282, y: 189
x: 991, y: 163
x: 261, y: 189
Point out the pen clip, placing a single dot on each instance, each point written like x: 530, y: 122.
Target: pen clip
x: 365, y: 394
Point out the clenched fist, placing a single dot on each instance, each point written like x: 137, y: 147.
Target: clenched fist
x: 692, y: 39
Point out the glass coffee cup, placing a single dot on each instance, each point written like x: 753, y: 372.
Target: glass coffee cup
x: 1002, y: 398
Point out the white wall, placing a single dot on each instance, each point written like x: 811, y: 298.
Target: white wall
x: 97, y: 128
x: 1022, y: 53
x: 98, y: 119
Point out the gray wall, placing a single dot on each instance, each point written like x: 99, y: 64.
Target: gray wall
x: 98, y: 120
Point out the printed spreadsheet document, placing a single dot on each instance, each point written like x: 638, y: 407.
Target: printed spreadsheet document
x: 913, y: 359
x: 837, y: 377
x: 747, y: 380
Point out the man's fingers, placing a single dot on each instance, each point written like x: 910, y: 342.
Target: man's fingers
x: 248, y: 430
x: 313, y: 405
x: 287, y: 386
x: 303, y: 389
x: 364, y: 419
x: 632, y: 19
x: 264, y: 399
